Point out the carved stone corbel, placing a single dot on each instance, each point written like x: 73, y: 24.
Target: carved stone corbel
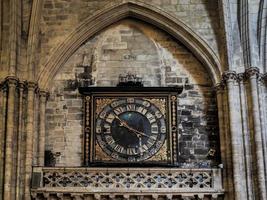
x: 220, y: 87
x: 241, y: 77
x: 97, y: 196
x: 60, y: 196
x: 229, y: 76
x: 262, y: 79
x: 252, y: 72
x: 77, y: 196
x: 46, y: 195
x: 126, y: 196
x: 265, y: 78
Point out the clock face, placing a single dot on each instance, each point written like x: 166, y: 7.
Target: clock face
x: 130, y: 129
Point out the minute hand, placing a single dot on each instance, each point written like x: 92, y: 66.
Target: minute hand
x: 130, y: 128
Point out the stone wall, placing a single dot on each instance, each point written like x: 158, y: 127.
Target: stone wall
x: 60, y: 17
x: 135, y: 47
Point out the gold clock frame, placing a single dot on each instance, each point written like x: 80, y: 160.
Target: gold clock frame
x: 90, y: 94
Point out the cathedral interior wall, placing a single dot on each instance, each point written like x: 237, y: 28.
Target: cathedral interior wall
x: 131, y: 46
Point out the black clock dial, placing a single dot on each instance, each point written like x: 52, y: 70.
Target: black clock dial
x: 130, y: 129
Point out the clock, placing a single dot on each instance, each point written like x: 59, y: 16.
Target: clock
x: 130, y: 126
x: 131, y: 129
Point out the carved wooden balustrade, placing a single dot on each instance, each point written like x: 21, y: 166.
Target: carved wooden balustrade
x: 126, y: 183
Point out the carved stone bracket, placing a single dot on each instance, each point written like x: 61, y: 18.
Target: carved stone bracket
x: 11, y: 81
x: 96, y: 196
x: 43, y: 95
x: 31, y: 86
x: 229, y: 76
x: 263, y: 79
x: 219, y: 87
x: 252, y: 72
x: 241, y: 77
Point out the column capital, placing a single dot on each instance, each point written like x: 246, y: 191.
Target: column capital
x: 264, y: 77
x: 30, y: 85
x: 21, y: 84
x: 11, y: 81
x: 219, y: 87
x: 229, y: 76
x: 252, y: 72
x: 241, y: 77
x: 43, y: 95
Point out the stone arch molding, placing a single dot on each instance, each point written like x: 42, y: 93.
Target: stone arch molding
x: 119, y: 10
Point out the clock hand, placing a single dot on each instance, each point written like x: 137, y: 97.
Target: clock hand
x: 123, y: 123
x: 140, y: 144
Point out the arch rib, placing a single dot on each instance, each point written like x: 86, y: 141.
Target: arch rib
x: 118, y: 11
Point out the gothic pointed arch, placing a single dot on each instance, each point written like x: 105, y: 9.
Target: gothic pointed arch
x: 119, y: 10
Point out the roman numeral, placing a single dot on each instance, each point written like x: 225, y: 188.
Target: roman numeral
x: 110, y: 118
x: 102, y: 115
x: 151, y: 118
x: 151, y: 141
x: 110, y: 140
x: 98, y: 129
x: 154, y: 137
x: 119, y: 110
x: 146, y: 103
x: 130, y: 107
x: 154, y: 128
x: 119, y: 148
x: 107, y: 129
x: 130, y: 151
x: 141, y: 110
x: 115, y: 104
x: 143, y: 148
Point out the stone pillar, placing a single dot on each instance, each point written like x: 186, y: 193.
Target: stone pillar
x: 20, y: 140
x: 29, y: 138
x: 11, y: 82
x: 223, y: 146
x: 252, y: 74
x: 263, y: 116
x: 236, y: 136
x: 246, y: 135
x: 228, y: 149
x: 41, y: 148
x: 3, y: 100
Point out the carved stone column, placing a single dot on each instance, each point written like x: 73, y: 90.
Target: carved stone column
x: 228, y: 149
x: 263, y: 116
x: 246, y: 135
x: 236, y: 135
x: 253, y: 74
x: 223, y: 135
x: 9, y: 141
x: 29, y: 138
x: 41, y: 148
x: 263, y: 95
x: 19, y: 139
x: 3, y: 100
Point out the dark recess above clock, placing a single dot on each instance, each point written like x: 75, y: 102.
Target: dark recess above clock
x: 89, y: 90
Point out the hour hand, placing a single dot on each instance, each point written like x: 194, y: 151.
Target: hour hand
x: 123, y: 123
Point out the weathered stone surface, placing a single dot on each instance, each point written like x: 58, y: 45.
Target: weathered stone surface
x: 235, y: 36
x: 137, y: 48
